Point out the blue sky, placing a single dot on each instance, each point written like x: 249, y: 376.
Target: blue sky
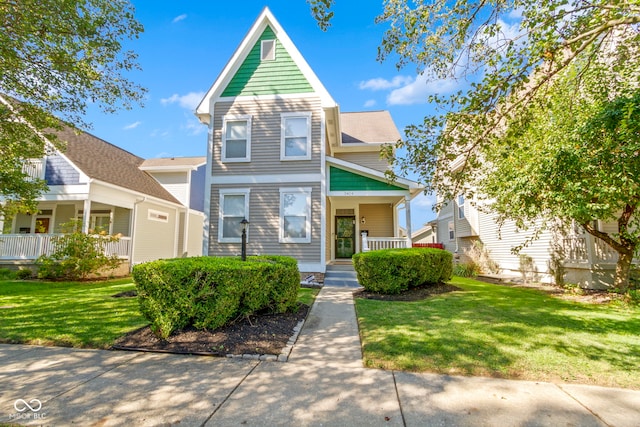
x: 186, y: 45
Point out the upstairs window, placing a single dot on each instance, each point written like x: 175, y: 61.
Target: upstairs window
x: 461, y: 206
x: 452, y: 230
x: 268, y: 50
x: 295, y: 141
x: 236, y: 139
x: 295, y: 215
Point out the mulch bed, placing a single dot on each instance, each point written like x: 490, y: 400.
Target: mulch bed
x: 417, y: 293
x: 264, y: 333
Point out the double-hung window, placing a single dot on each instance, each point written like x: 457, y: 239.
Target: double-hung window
x: 234, y: 207
x: 295, y: 215
x: 295, y: 142
x: 452, y: 230
x: 461, y: 206
x: 236, y: 139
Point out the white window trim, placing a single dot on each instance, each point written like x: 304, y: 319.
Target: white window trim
x: 223, y: 154
x: 451, y: 229
x: 283, y: 116
x: 154, y: 215
x: 262, y: 46
x: 461, y: 206
x: 295, y: 190
x: 232, y: 192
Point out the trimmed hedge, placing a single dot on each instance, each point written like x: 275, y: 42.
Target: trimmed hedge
x: 207, y: 292
x: 391, y: 271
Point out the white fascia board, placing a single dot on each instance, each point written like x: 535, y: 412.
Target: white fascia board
x: 363, y: 170
x: 139, y: 194
x: 357, y: 147
x: 265, y: 179
x: 181, y: 168
x: 265, y: 19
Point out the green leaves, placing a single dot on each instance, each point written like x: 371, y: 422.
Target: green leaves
x: 56, y: 57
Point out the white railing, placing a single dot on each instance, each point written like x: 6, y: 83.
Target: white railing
x: 32, y: 246
x: 589, y: 250
x: 34, y: 168
x: 375, y: 243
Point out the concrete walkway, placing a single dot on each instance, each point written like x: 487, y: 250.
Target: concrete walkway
x: 323, y: 384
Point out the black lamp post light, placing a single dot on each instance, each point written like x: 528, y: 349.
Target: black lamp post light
x: 244, y: 224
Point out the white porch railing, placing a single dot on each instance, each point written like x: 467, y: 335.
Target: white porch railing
x: 34, y: 168
x: 589, y: 249
x: 32, y: 246
x: 375, y: 243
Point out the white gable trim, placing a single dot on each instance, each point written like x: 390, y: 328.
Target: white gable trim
x: 266, y: 18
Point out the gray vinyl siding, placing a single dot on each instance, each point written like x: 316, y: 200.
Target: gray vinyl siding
x: 121, y: 221
x: 264, y: 218
x: 265, y: 136
x: 196, y: 192
x: 60, y: 172
x: 367, y: 159
x: 500, y: 242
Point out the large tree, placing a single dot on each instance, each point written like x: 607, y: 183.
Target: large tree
x: 56, y: 58
x: 572, y: 46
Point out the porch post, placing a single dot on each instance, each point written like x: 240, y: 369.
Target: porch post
x: 407, y: 212
x: 86, y: 216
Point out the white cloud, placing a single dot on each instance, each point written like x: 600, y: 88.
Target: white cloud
x: 194, y: 127
x: 384, y: 84
x: 179, y: 18
x: 370, y: 103
x: 189, y: 101
x: 423, y: 201
x: 132, y: 125
x: 159, y: 133
x: 417, y: 91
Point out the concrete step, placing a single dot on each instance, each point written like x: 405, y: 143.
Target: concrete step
x: 342, y: 276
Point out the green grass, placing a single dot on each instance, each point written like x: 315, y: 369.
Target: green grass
x: 67, y: 313
x: 506, y: 332
x: 72, y: 314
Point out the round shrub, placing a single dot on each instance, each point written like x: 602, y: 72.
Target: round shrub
x: 208, y: 292
x: 391, y: 271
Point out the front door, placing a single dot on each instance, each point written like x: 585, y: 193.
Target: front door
x: 345, y: 236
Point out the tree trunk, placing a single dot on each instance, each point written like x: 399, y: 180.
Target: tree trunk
x: 623, y: 267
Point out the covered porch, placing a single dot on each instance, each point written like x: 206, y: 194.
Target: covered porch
x: 29, y: 236
x: 365, y: 211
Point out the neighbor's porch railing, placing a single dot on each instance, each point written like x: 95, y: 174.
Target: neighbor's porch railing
x: 375, y: 243
x: 32, y: 246
x: 587, y: 249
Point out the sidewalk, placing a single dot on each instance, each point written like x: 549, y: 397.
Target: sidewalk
x: 323, y: 383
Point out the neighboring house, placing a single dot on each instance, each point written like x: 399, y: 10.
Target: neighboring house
x: 426, y: 235
x: 155, y: 205
x: 587, y: 261
x: 307, y: 177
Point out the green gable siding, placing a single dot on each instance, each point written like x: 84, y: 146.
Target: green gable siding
x: 342, y: 180
x: 255, y: 77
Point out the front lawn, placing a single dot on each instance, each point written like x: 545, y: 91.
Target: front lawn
x: 507, y: 332
x: 67, y: 314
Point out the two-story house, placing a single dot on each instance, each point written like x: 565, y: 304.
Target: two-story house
x: 308, y: 178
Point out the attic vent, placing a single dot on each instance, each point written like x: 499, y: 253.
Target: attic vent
x: 341, y: 212
x: 268, y: 50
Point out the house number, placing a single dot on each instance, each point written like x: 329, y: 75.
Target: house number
x: 349, y: 193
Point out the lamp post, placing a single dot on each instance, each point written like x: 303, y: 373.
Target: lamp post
x: 244, y: 224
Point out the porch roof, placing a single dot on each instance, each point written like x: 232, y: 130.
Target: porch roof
x: 360, y: 180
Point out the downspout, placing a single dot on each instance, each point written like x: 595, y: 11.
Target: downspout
x: 133, y: 230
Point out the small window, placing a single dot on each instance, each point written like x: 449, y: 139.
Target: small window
x: 234, y: 207
x: 268, y: 50
x: 295, y: 215
x: 154, y: 215
x: 461, y: 206
x: 236, y: 139
x: 452, y: 231
x: 296, y: 136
